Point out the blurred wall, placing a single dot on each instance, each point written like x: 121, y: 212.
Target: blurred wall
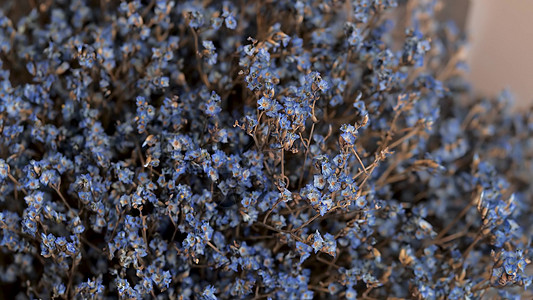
x: 501, y: 47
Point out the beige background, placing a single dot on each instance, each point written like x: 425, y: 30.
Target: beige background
x: 501, y: 47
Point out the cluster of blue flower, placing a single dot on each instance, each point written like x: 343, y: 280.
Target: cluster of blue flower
x: 292, y: 149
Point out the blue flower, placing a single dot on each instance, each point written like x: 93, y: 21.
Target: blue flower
x: 318, y: 242
x: 209, y: 293
x: 209, y: 52
x: 4, y: 169
x: 230, y: 22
